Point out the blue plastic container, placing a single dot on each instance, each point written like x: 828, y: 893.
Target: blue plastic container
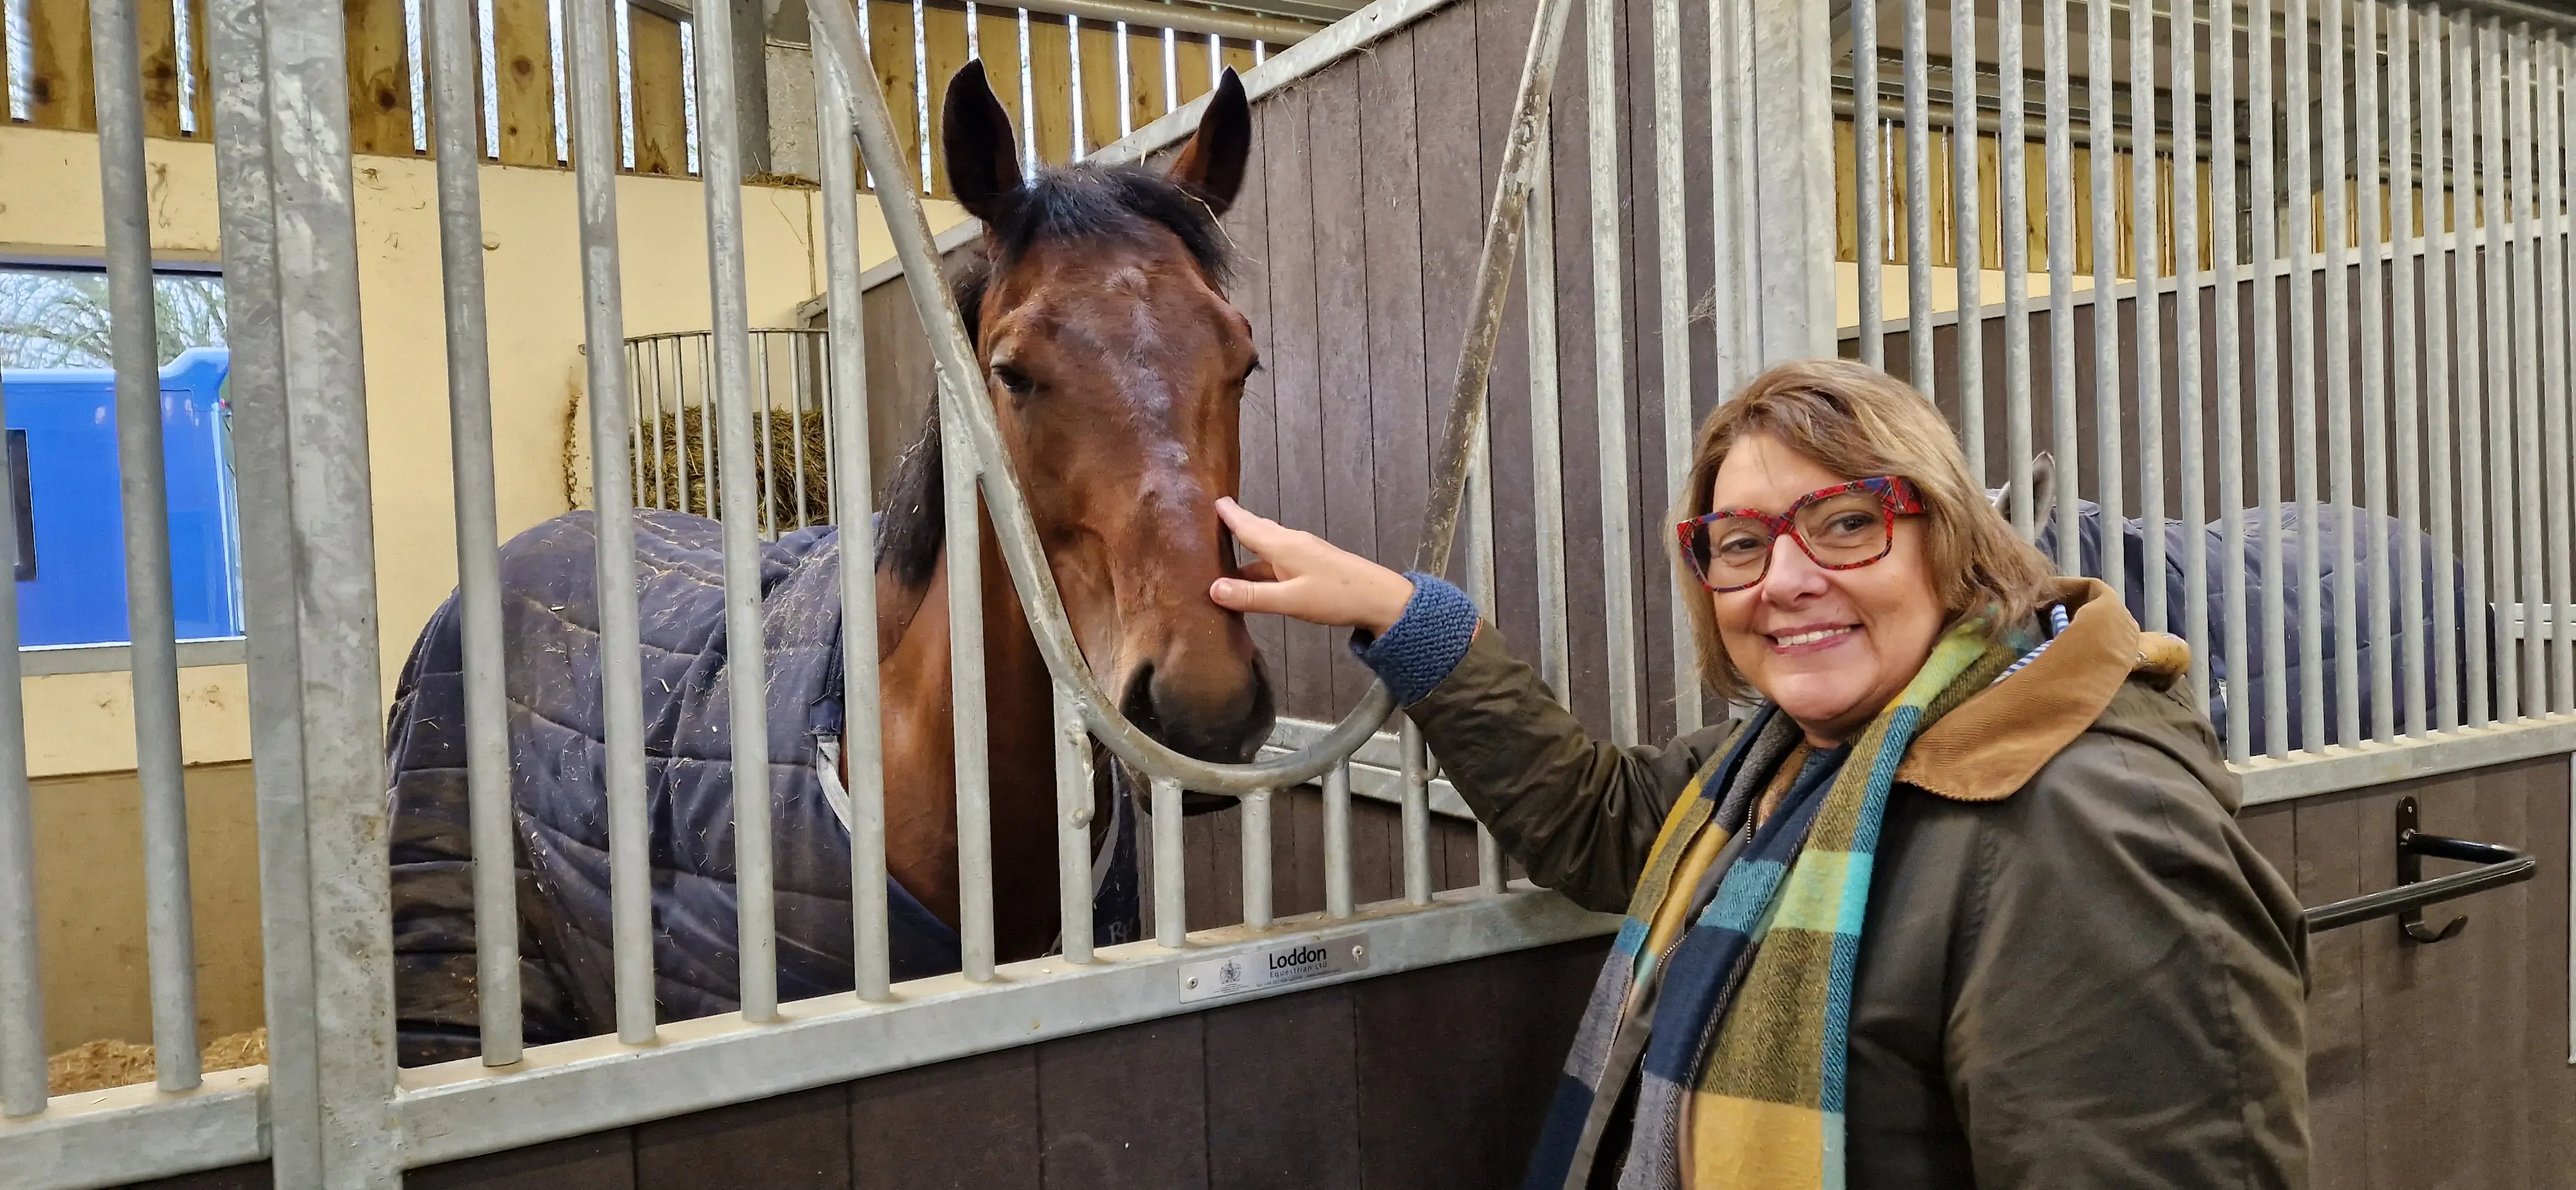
x: 64, y: 420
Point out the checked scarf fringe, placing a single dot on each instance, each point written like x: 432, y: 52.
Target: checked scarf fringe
x: 1740, y: 1009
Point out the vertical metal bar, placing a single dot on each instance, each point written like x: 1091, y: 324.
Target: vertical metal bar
x: 1075, y: 794
x: 1417, y: 816
x: 2100, y: 121
x: 2337, y: 276
x: 720, y: 162
x: 1610, y: 363
x: 967, y: 697
x: 799, y: 374
x: 1866, y: 183
x: 765, y: 474
x: 170, y: 927
x: 2408, y: 579
x: 236, y: 58
x: 2555, y: 99
x: 2466, y: 178
x: 1725, y: 219
x: 2267, y: 383
x: 853, y: 491
x: 2525, y: 227
x: 2492, y: 164
x: 1969, y: 341
x: 2374, y: 375
x: 23, y: 1071
x: 338, y: 694
x: 2304, y: 272
x: 592, y: 81
x: 1918, y: 205
x: 2227, y: 273
x: 450, y: 30
x: 1672, y: 258
x: 1337, y: 840
x: 2012, y: 227
x: 2061, y: 288
x: 2182, y: 46
x: 1547, y: 442
x: 1256, y: 860
x: 2440, y: 236
x: 2147, y: 260
x: 1171, y: 894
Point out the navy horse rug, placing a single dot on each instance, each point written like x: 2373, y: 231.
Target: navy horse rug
x: 550, y: 620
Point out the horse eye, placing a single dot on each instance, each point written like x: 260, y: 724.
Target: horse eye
x: 1015, y: 380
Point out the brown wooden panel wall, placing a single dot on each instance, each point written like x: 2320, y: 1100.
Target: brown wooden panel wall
x: 1430, y: 1078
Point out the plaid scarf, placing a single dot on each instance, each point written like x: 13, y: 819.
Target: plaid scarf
x: 1731, y: 980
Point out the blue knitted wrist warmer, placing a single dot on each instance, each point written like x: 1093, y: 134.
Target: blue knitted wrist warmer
x: 1427, y: 641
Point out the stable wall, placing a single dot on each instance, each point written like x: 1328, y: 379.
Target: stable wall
x: 81, y: 725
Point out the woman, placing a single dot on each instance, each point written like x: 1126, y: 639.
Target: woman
x: 1963, y: 903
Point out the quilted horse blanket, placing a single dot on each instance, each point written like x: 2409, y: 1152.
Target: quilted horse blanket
x: 550, y: 622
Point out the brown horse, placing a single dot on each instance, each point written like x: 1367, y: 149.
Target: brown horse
x: 1116, y: 367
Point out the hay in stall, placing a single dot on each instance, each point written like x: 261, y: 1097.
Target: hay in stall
x: 796, y: 496
x: 99, y: 1065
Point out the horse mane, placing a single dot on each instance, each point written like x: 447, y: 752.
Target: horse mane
x: 1096, y: 203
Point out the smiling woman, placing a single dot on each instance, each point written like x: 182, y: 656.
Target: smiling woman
x: 1969, y: 848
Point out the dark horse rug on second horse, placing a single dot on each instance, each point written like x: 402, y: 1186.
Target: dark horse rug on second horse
x: 560, y: 812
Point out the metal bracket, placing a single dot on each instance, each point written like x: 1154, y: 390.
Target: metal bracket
x: 2498, y: 865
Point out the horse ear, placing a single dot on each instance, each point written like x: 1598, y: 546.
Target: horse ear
x: 1212, y: 163
x: 983, y: 163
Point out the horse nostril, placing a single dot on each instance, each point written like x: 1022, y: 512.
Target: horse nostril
x: 1138, y: 704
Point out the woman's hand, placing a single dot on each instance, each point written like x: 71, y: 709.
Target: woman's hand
x: 1305, y: 577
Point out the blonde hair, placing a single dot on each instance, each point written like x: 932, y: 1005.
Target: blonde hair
x: 1859, y: 423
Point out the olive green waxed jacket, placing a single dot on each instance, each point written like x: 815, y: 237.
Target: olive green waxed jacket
x: 2075, y: 973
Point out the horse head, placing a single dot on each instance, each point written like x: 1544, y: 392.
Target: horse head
x: 1115, y: 366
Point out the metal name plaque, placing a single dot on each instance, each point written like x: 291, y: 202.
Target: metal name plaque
x: 1274, y: 966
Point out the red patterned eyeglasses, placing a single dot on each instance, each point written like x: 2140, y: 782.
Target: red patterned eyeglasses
x: 1843, y: 527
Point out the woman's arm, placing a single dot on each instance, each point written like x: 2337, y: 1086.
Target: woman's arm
x: 1580, y: 814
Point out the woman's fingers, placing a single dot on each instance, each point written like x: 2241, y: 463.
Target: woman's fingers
x: 1249, y: 596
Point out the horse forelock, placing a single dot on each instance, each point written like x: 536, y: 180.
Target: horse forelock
x: 1077, y: 203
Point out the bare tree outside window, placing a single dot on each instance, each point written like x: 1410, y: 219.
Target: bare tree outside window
x: 59, y: 319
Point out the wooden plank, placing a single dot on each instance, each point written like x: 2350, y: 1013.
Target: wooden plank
x: 1500, y: 29
x: 971, y: 1123
x: 1390, y: 226
x: 2552, y: 1087
x: 1343, y: 337
x: 1146, y: 86
x: 1247, y: 223
x: 1283, y: 1093
x: 789, y: 1142
x: 1295, y: 382
x: 59, y: 89
x: 1586, y: 635
x: 1104, y: 89
x: 1125, y: 1107
x: 943, y: 38
x: 203, y: 98
x: 156, y: 39
x: 1447, y: 1099
x: 1191, y: 60
x: 599, y: 1161
x: 659, y: 83
x: 1449, y: 156
x: 1237, y: 54
x: 379, y: 77
x: 1643, y: 297
x: 1051, y: 82
x: 1846, y: 192
x: 524, y: 82
x: 890, y: 50
x: 997, y: 33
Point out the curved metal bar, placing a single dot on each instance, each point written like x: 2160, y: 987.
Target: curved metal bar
x: 2498, y: 865
x: 838, y: 33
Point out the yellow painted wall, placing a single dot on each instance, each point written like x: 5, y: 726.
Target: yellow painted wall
x: 82, y: 724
